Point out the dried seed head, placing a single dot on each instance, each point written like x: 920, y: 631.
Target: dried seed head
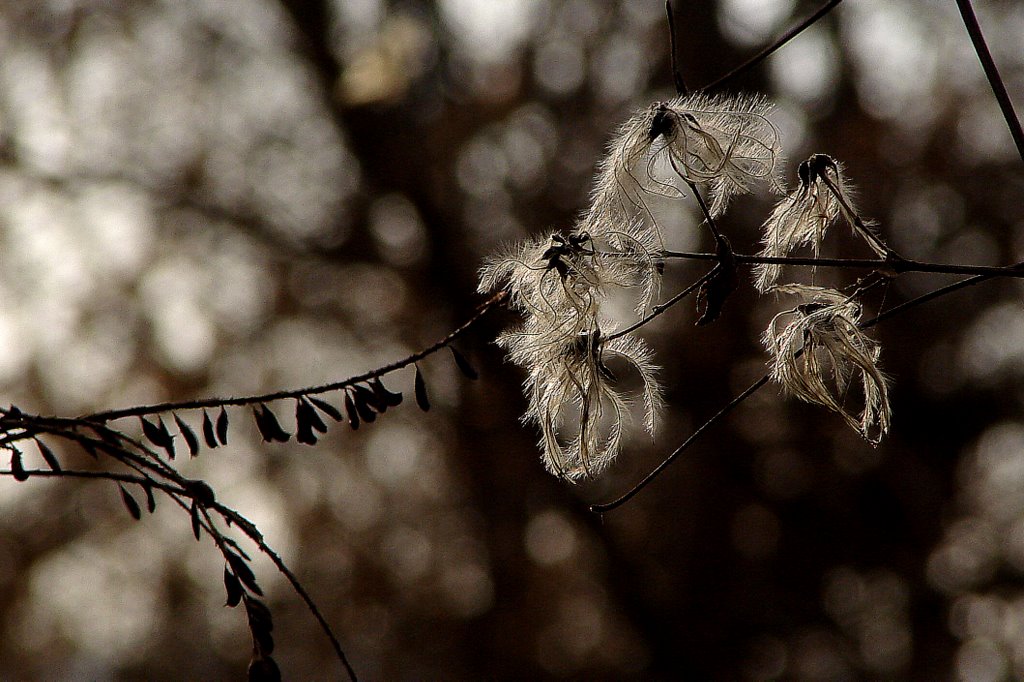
x: 803, y: 216
x: 821, y: 352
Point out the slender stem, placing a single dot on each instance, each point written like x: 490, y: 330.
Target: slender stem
x: 995, y: 80
x: 110, y: 415
x: 659, y: 309
x: 677, y: 74
x: 924, y: 298
x: 250, y: 530
x: 899, y: 266
x: 733, y: 404
x: 703, y: 207
x: 105, y: 475
x: 782, y: 40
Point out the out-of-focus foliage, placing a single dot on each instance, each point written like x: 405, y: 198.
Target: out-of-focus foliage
x: 221, y: 198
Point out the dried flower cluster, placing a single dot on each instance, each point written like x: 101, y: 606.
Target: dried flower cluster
x: 559, y: 284
x: 821, y: 353
x: 802, y: 217
x: 720, y: 147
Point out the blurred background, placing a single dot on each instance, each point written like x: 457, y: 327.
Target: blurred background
x: 224, y: 197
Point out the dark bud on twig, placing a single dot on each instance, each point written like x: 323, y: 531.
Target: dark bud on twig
x: 350, y: 410
x: 47, y: 453
x: 714, y: 292
x: 130, y: 504
x: 197, y: 525
x: 201, y: 491
x: 328, y: 409
x: 222, y: 426
x: 17, y: 467
x: 360, y: 396
x: 370, y: 398
x: 260, y: 624
x: 150, y: 498
x: 306, y: 421
x: 158, y: 435
x: 169, y: 443
x: 208, y: 434
x: 190, y: 438
x: 662, y: 123
x: 388, y: 398
x: 263, y: 669
x: 420, y: 389
x: 268, y: 425
x: 233, y: 587
x: 463, y: 364
x: 244, y: 573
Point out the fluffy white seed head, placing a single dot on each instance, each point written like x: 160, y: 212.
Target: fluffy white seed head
x: 573, y: 398
x: 819, y: 353
x: 725, y: 144
x: 801, y: 218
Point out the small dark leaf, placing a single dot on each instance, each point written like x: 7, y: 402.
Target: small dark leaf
x: 385, y: 396
x: 328, y: 409
x: 261, y: 624
x: 222, y: 426
x: 350, y: 409
x: 304, y: 434
x: 150, y: 498
x: 314, y: 417
x: 270, y: 429
x: 157, y: 436
x: 169, y: 442
x: 130, y: 504
x: 263, y: 669
x: 17, y: 467
x: 188, y: 435
x: 420, y: 389
x: 370, y: 398
x: 197, y: 526
x: 366, y: 412
x: 244, y: 573
x: 714, y: 292
x: 233, y: 587
x: 234, y: 545
x: 47, y: 453
x: 208, y: 435
x: 463, y: 364
x: 259, y: 615
x: 306, y: 421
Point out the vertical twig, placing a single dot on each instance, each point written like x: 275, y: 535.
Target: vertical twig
x: 992, y: 73
x: 677, y: 73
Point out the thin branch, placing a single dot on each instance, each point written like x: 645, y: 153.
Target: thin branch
x: 105, y: 475
x: 677, y: 74
x: 660, y: 308
x: 733, y: 404
x: 899, y: 266
x: 110, y: 415
x: 995, y: 80
x: 782, y: 40
x: 924, y: 298
x: 250, y: 530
